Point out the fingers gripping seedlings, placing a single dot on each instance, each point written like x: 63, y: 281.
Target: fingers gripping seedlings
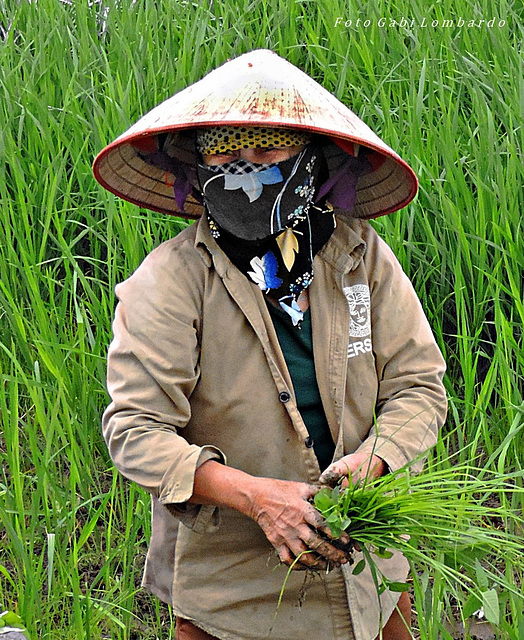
x: 294, y: 527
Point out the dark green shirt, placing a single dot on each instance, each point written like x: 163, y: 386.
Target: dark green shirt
x: 297, y: 347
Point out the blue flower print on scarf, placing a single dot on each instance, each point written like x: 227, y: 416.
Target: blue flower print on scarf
x: 293, y: 311
x: 253, y: 182
x: 264, y: 272
x: 306, y: 190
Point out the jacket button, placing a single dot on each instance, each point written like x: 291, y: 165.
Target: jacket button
x: 284, y: 396
x: 309, y: 442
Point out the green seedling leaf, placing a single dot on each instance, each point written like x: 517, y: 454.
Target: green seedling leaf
x: 359, y: 567
x: 473, y: 603
x: 10, y: 619
x: 490, y: 605
x: 323, y: 500
x: 428, y: 599
x: 398, y: 587
x: 465, y: 554
x: 482, y: 578
x: 334, y: 522
x: 424, y: 580
x: 334, y: 518
x: 383, y: 553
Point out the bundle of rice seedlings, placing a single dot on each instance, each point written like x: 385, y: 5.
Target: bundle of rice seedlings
x: 458, y: 524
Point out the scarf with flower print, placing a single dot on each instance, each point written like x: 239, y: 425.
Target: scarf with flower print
x: 264, y: 219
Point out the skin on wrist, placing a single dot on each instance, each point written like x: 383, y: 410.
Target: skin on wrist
x: 222, y: 486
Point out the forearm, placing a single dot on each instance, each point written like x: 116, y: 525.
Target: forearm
x: 223, y: 486
x: 281, y: 508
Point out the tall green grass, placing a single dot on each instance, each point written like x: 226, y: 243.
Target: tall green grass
x: 73, y: 75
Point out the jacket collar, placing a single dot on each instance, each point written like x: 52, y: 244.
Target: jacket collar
x: 343, y: 251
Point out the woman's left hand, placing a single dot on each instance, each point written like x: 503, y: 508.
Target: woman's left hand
x: 358, y: 465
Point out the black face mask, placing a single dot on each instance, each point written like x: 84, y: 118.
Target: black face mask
x: 255, y: 201
x: 271, y: 231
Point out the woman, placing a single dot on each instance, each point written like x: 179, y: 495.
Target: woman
x: 272, y: 346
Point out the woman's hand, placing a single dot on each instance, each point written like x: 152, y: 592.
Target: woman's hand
x: 356, y: 465
x: 293, y: 526
x: 280, y: 507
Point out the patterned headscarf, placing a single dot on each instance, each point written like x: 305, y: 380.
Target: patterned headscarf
x: 217, y: 140
x: 264, y: 219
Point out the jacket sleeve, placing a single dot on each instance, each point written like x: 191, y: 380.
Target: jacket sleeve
x: 153, y: 367
x: 411, y: 402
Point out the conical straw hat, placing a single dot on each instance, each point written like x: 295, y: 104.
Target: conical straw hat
x: 257, y: 88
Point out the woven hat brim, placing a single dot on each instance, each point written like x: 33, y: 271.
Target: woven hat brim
x: 258, y: 88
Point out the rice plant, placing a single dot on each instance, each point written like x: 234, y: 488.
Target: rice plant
x: 447, y: 524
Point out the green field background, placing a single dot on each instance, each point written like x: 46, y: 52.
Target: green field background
x: 74, y: 75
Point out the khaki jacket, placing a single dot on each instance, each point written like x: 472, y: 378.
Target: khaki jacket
x: 196, y: 372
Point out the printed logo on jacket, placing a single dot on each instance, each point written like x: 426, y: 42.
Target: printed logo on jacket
x: 359, y: 319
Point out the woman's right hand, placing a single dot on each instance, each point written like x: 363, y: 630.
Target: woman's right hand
x: 282, y: 509
x: 298, y: 532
